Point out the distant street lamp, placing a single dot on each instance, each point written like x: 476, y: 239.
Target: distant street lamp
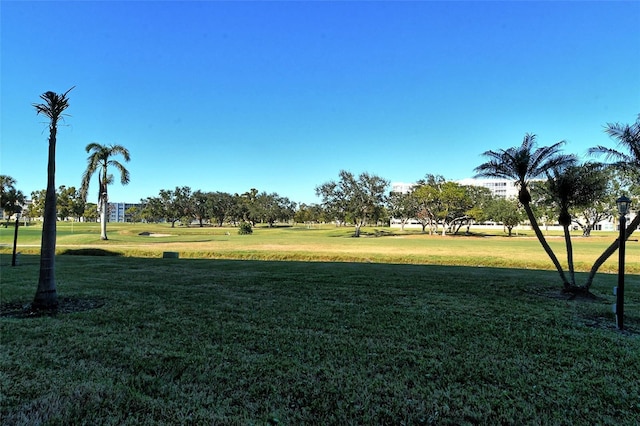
x: 623, y: 204
x: 15, y: 240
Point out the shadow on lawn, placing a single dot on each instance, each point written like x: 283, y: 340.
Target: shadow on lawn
x: 66, y: 305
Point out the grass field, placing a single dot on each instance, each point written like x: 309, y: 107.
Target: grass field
x: 401, y: 334
x: 325, y: 243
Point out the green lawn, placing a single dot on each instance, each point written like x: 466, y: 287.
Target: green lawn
x: 326, y: 243
x: 217, y: 341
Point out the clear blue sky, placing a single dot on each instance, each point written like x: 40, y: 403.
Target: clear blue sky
x: 280, y: 96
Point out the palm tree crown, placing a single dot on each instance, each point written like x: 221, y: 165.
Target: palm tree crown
x: 523, y: 163
x: 100, y: 160
x: 628, y: 136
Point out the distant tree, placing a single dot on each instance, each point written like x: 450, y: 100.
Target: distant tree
x: 134, y: 214
x: 46, y: 297
x: 11, y: 199
x: 357, y: 199
x: 403, y: 207
x: 90, y: 213
x: 453, y: 204
x: 69, y: 203
x: 505, y: 211
x: 176, y: 205
x: 200, y: 207
x: 480, y: 198
x: 426, y: 195
x: 220, y: 206
x: 523, y: 163
x: 36, y: 208
x: 152, y: 210
x: 99, y: 160
x: 270, y: 208
x: 248, y: 206
x: 309, y: 214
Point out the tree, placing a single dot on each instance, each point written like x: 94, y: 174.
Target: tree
x: 309, y: 213
x: 99, y: 161
x: 46, y: 296
x: 36, y: 208
x: 357, y: 200
x: 453, y: 203
x: 270, y: 208
x: 134, y: 213
x: 403, y: 207
x: 176, y: 205
x: 569, y: 188
x: 480, y: 198
x: 201, y: 212
x: 505, y: 211
x: 11, y: 199
x: 70, y: 203
x: 425, y: 194
x: 90, y: 213
x: 523, y: 163
x: 625, y: 158
x: 220, y: 206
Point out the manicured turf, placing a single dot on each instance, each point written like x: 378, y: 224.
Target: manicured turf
x: 200, y: 341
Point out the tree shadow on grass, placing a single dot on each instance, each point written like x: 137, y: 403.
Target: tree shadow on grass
x: 66, y: 305
x: 90, y: 252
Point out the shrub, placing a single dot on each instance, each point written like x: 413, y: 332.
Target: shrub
x: 245, y: 229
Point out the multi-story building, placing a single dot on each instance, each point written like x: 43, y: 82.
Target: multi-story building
x: 504, y: 188
x: 499, y: 187
x: 117, y: 211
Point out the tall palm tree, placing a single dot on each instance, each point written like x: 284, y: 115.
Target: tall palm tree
x: 524, y: 163
x: 99, y: 160
x: 628, y: 138
x: 46, y: 296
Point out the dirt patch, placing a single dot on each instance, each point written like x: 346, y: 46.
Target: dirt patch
x: 66, y: 305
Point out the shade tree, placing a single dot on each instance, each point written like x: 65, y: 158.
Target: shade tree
x: 356, y: 199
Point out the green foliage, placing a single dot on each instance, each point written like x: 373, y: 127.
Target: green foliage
x: 245, y: 228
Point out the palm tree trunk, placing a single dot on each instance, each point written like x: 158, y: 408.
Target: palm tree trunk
x: 103, y: 218
x: 609, y: 251
x: 46, y: 295
x: 567, y: 241
x: 545, y: 245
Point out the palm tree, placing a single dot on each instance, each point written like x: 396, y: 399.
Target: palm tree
x: 99, y: 160
x: 47, y: 296
x: 573, y: 187
x: 11, y: 199
x: 524, y: 163
x: 628, y: 137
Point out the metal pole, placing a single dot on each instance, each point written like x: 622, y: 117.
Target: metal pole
x: 620, y: 290
x: 15, y: 241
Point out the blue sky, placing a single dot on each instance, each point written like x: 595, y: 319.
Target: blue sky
x: 280, y: 96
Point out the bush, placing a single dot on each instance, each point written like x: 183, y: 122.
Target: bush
x: 245, y: 229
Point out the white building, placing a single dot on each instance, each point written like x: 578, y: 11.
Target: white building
x: 499, y: 187
x: 117, y: 211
